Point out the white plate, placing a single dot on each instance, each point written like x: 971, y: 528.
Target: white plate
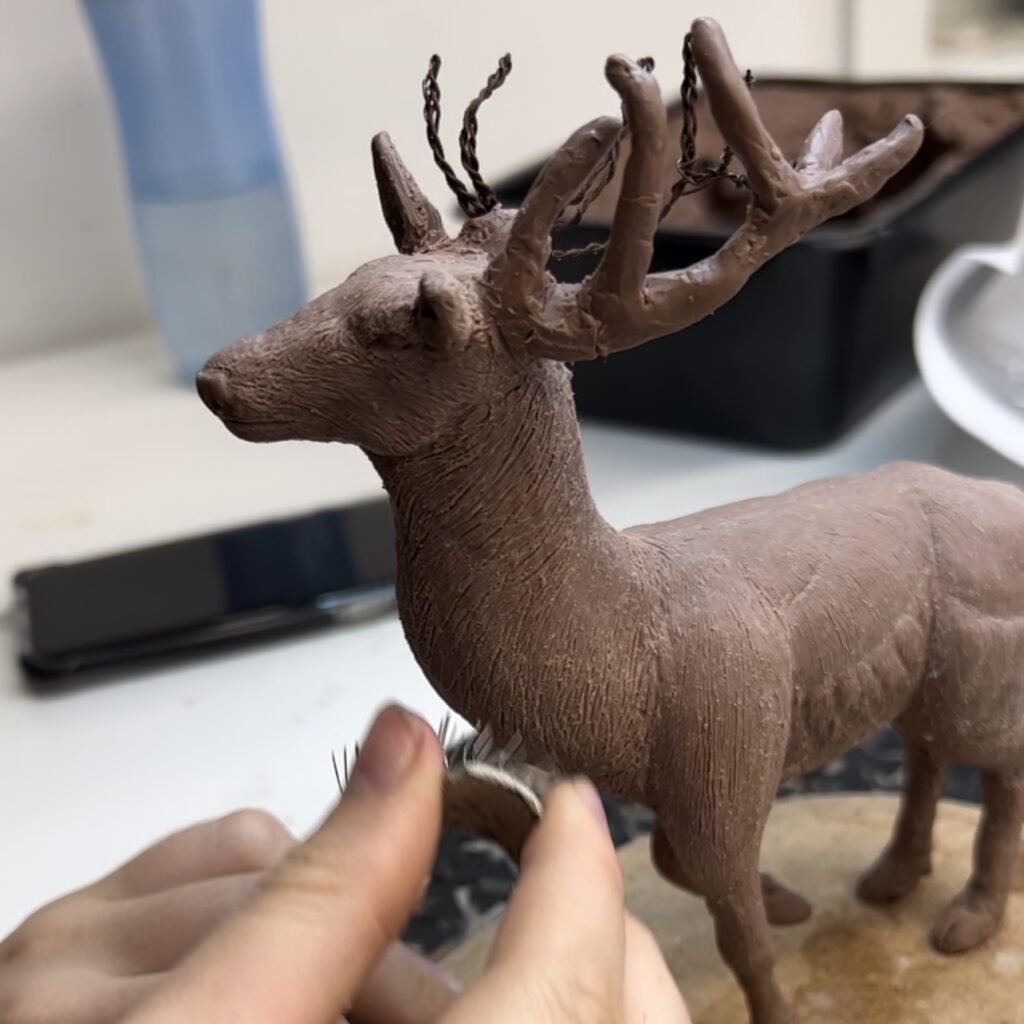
x: 969, y: 340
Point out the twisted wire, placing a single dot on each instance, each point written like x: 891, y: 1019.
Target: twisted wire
x: 469, y: 203
x: 467, y: 137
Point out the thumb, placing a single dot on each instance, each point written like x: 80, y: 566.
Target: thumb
x: 299, y: 951
x: 559, y: 954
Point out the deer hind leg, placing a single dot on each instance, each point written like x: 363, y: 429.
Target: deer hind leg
x: 908, y: 857
x: 975, y: 914
x: 782, y: 906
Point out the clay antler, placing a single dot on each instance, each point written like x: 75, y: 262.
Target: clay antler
x: 622, y: 305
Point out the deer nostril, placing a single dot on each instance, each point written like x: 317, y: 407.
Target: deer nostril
x: 213, y: 390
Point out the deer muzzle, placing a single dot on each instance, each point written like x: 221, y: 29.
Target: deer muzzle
x: 212, y: 385
x: 259, y: 388
x: 240, y: 386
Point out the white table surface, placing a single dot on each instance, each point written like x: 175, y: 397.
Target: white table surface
x: 103, y: 451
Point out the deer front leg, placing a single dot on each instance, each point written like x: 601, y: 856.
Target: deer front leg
x: 720, y: 753
x: 908, y: 856
x: 741, y: 933
x: 725, y: 875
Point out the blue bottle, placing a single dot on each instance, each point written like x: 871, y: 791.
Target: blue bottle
x: 213, y: 216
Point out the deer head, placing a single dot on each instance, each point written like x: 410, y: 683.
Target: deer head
x: 396, y: 355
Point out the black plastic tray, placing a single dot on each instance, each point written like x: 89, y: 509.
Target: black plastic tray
x: 820, y: 335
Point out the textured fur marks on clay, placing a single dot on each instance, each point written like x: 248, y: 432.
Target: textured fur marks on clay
x: 691, y: 665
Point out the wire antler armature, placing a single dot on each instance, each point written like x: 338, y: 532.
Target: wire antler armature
x: 692, y: 178
x: 467, y: 137
x: 599, y: 180
x: 482, y: 200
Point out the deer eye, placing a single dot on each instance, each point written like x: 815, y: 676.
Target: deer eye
x: 388, y: 340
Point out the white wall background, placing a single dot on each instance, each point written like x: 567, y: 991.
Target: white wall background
x: 67, y: 266
x: 339, y: 79
x: 339, y: 71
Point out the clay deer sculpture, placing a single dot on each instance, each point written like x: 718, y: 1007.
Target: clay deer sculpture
x: 691, y: 665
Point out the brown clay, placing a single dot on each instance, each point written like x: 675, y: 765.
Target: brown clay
x: 693, y: 664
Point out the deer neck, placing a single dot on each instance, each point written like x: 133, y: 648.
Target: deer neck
x: 506, y: 485
x: 486, y: 520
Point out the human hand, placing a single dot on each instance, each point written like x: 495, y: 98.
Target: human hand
x: 92, y: 957
x: 95, y: 954
x: 303, y: 949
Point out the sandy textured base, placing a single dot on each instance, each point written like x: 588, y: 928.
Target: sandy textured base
x: 849, y: 963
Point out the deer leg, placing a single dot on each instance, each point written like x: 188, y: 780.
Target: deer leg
x: 908, y: 857
x: 975, y: 914
x: 782, y: 906
x: 732, y: 890
x: 743, y: 939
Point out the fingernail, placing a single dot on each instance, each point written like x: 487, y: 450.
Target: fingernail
x: 389, y: 749
x: 589, y: 795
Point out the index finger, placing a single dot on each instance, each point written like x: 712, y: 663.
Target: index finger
x: 239, y: 843
x: 300, y: 950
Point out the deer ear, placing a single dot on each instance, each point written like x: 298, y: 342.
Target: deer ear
x: 442, y: 311
x: 414, y: 221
